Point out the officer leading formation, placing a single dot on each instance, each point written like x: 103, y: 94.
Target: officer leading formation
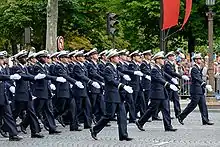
x: 94, y: 89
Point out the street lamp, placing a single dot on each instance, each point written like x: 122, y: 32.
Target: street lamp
x: 210, y: 15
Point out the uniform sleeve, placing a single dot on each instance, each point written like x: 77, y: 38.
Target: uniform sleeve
x: 168, y: 69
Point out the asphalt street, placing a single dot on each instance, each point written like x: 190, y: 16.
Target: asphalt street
x: 192, y: 134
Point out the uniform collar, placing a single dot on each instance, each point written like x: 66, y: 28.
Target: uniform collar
x: 114, y: 65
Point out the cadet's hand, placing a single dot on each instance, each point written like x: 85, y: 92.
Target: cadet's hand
x: 12, y: 89
x: 184, y: 77
x: 61, y: 79
x: 127, y: 78
x: 52, y: 86
x: 138, y: 73
x: 79, y: 84
x: 209, y: 88
x: 128, y: 89
x: 174, y: 80
x: 39, y: 76
x: 15, y: 77
x: 173, y: 87
x: 148, y: 77
x: 96, y: 85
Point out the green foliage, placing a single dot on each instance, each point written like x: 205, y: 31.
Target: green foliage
x: 83, y: 24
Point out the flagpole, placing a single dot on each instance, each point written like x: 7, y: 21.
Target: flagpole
x: 162, y: 32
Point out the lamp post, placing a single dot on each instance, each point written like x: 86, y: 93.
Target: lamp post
x: 210, y: 15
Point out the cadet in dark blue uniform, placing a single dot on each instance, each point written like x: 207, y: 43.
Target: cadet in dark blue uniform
x: 197, y: 91
x: 125, y: 96
x: 64, y: 100
x: 159, y: 97
x: 80, y: 73
x: 5, y: 110
x: 146, y: 69
x: 96, y: 94
x: 23, y: 96
x: 114, y: 104
x: 102, y: 61
x: 170, y: 69
x: 135, y: 83
x: 42, y: 91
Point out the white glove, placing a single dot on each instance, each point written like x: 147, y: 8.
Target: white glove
x: 71, y: 85
x: 79, y: 84
x: 15, y: 77
x: 12, y: 89
x: 128, y: 89
x: 173, y: 87
x: 209, y: 88
x: 126, y: 77
x: 184, y: 77
x: 34, y: 97
x: 174, y: 80
x: 52, y: 86
x: 138, y: 73
x: 103, y: 84
x: 9, y: 102
x: 148, y: 77
x: 61, y: 79
x: 39, y: 76
x: 96, y: 85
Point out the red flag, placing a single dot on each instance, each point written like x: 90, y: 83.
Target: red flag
x: 171, y: 9
x: 187, y: 12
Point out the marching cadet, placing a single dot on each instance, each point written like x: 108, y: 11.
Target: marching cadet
x: 125, y: 96
x: 135, y: 83
x: 63, y: 94
x: 54, y: 59
x: 146, y: 69
x: 96, y: 94
x: 42, y: 91
x: 114, y: 104
x: 23, y: 96
x: 197, y: 91
x: 6, y: 114
x: 81, y: 74
x: 159, y: 96
x: 103, y: 60
x: 170, y: 68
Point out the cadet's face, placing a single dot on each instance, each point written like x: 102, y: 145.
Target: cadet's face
x: 115, y: 59
x: 81, y: 59
x: 123, y: 57
x: 171, y: 58
x: 137, y: 58
x: 95, y: 57
x: 199, y: 61
x: 64, y: 60
x: 2, y: 61
x: 161, y: 61
x: 147, y: 57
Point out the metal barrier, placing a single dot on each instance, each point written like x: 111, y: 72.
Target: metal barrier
x: 184, y: 91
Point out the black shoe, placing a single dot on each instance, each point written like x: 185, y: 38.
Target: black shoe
x: 3, y: 133
x: 131, y: 121
x: 93, y: 134
x: 180, y: 120
x: 60, y: 120
x: 171, y: 117
x: 156, y: 119
x: 208, y: 123
x: 15, y: 138
x: 87, y: 127
x: 170, y: 130
x: 139, y: 126
x: 23, y: 129
x: 37, y: 135
x: 126, y: 139
x: 108, y: 124
x: 55, y: 132
x: 76, y: 129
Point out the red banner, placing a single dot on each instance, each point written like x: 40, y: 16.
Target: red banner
x: 171, y: 9
x: 187, y: 12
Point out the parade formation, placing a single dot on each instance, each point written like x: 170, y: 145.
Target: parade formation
x: 94, y: 89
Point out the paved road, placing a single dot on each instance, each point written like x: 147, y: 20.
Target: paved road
x: 192, y: 134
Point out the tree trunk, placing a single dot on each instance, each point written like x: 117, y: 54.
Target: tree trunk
x: 52, y: 19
